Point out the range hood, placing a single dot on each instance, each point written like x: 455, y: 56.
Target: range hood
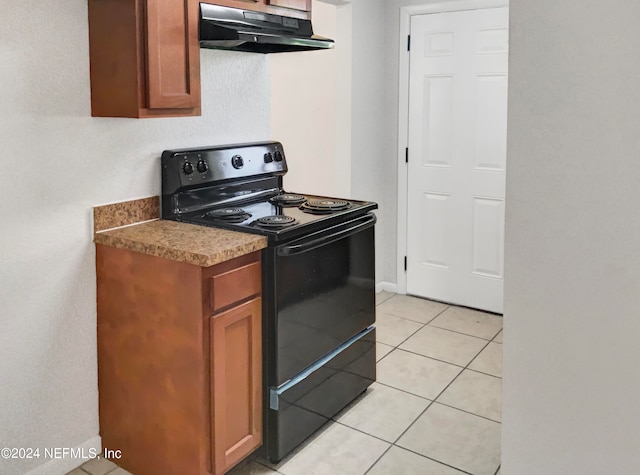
x: 241, y: 30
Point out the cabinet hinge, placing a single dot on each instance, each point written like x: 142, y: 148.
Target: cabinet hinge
x: 406, y: 155
x: 409, y: 43
x: 405, y: 263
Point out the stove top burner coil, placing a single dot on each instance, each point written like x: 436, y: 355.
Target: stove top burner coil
x: 275, y: 221
x: 287, y: 199
x: 324, y: 206
x: 228, y: 215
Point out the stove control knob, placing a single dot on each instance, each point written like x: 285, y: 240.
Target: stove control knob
x: 237, y: 162
x: 268, y: 157
x: 202, y: 166
x: 187, y: 168
x: 278, y: 156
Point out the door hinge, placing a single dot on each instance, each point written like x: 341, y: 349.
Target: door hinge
x: 405, y: 263
x: 409, y: 43
x: 406, y: 155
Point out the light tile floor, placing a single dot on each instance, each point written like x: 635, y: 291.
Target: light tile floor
x: 434, y: 410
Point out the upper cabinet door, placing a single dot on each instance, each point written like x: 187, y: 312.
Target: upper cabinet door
x: 172, y: 54
x: 303, y: 5
x: 145, y: 58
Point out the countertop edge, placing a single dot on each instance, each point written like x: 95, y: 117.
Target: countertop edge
x: 181, y: 253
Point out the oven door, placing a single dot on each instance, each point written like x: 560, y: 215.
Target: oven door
x: 324, y: 294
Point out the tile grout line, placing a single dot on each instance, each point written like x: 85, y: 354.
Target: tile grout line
x: 423, y: 325
x: 432, y: 459
x: 419, y: 455
x: 447, y: 362
x: 431, y: 401
x: 387, y: 299
x: 378, y: 459
x: 391, y: 444
x: 397, y: 347
x: 436, y: 398
x: 257, y: 460
x: 482, y: 372
x: 466, y: 334
x: 499, y: 466
x: 469, y: 412
x: 430, y: 357
x: 475, y: 357
x: 416, y: 321
x: 404, y: 391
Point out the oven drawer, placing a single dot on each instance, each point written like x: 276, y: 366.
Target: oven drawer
x: 235, y: 285
x: 300, y: 407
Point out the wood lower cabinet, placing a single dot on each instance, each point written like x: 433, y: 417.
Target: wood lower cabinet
x: 179, y: 362
x: 145, y: 58
x: 236, y: 356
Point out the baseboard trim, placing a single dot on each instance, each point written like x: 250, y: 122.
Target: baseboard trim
x: 62, y: 466
x: 388, y: 286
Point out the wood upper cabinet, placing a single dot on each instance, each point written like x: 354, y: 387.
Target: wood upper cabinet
x: 145, y: 58
x: 290, y: 8
x: 179, y: 361
x: 303, y: 5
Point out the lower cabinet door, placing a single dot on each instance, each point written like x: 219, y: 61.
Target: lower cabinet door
x: 236, y: 384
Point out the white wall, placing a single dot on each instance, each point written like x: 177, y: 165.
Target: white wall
x: 370, y: 179
x: 572, y: 277
x: 328, y: 110
x: 57, y: 163
x: 309, y: 113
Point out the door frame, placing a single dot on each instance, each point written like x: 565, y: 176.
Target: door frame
x: 403, y: 113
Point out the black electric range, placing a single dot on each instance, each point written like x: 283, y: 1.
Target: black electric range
x: 318, y: 278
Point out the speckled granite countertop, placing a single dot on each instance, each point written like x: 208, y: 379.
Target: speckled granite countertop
x: 198, y: 245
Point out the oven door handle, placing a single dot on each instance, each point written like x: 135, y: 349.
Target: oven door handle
x: 304, y: 245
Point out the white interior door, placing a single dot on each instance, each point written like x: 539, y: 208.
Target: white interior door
x: 457, y: 157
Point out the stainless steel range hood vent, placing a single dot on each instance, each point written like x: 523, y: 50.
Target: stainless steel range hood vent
x: 241, y: 30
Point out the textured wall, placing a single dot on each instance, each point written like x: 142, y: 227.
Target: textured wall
x: 306, y: 108
x: 57, y: 162
x: 572, y: 266
x: 370, y: 164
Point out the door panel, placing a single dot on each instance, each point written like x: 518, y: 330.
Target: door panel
x: 488, y: 222
x: 457, y: 132
x: 172, y: 54
x: 491, y: 128
x: 438, y: 115
x: 436, y: 208
x: 236, y: 383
